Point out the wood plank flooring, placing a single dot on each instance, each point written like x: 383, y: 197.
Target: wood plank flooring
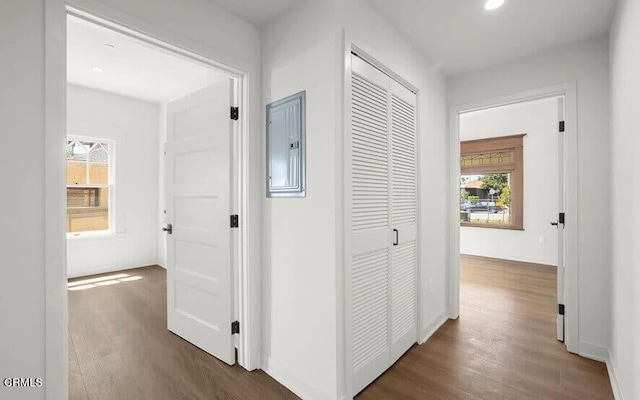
x: 120, y: 348
x: 503, y: 346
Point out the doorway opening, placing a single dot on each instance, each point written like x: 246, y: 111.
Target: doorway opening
x: 511, y: 177
x: 153, y: 176
x: 561, y: 223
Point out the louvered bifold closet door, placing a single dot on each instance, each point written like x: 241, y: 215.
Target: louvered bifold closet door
x: 404, y: 206
x: 370, y: 199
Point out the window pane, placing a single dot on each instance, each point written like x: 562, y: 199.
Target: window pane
x: 486, y: 198
x: 99, y: 153
x: 493, y: 158
x: 87, y: 209
x: 76, y: 173
x: 98, y: 173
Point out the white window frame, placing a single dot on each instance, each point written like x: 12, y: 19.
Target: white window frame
x: 110, y: 185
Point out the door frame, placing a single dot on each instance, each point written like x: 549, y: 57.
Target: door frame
x: 343, y: 241
x: 569, y: 91
x: 246, y: 288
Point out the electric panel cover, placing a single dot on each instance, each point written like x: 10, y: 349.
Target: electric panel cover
x: 286, y: 172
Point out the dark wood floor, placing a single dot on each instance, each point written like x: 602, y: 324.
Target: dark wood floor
x: 119, y: 349
x: 503, y: 345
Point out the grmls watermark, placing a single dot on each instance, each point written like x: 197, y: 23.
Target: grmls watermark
x: 23, y: 382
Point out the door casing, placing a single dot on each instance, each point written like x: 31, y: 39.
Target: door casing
x: 569, y: 92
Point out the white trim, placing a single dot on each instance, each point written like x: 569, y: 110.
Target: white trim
x: 289, y: 379
x: 344, y: 341
x: 569, y: 90
x: 594, y: 352
x: 344, y: 336
x: 613, y: 378
x: 340, y: 215
x: 432, y: 327
x: 56, y: 11
x: 56, y: 368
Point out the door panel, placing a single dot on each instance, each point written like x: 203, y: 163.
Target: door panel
x: 199, y: 270
x: 370, y: 223
x: 404, y: 205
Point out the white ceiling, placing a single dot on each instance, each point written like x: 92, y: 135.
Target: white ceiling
x: 459, y: 35
x: 133, y: 68
x: 258, y: 12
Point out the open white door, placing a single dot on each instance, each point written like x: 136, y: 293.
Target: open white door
x: 560, y: 222
x: 198, y: 185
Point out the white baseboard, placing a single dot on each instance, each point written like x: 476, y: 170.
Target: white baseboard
x: 613, y: 378
x: 291, y: 380
x: 102, y: 270
x: 431, y: 327
x: 593, y: 351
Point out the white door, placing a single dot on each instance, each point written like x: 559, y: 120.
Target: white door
x: 198, y: 185
x: 560, y: 224
x: 382, y: 177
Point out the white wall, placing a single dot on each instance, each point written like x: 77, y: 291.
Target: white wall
x: 625, y: 216
x: 304, y: 50
x: 587, y: 64
x: 538, y: 242
x: 133, y: 125
x: 299, y: 308
x: 22, y: 251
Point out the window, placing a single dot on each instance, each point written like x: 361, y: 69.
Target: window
x: 491, y: 182
x: 89, y: 185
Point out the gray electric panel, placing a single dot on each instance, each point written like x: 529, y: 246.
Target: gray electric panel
x: 286, y: 161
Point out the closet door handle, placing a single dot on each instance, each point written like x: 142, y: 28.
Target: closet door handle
x: 396, y: 238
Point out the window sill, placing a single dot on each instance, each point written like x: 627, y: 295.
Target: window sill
x: 91, y: 235
x: 488, y: 226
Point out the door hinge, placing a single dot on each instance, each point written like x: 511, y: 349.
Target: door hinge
x: 234, y: 221
x: 561, y: 126
x: 235, y: 113
x: 560, y: 309
x: 235, y: 327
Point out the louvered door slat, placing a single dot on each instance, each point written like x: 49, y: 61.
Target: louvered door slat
x: 403, y: 302
x: 370, y: 155
x: 404, y: 162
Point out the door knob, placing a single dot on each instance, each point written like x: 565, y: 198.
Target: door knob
x: 555, y: 223
x: 168, y: 228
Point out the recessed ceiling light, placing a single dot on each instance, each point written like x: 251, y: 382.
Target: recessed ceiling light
x: 97, y: 69
x: 109, y: 46
x: 493, y: 4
